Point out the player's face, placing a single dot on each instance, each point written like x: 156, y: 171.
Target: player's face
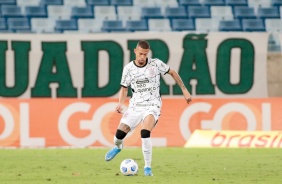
x: 141, y: 56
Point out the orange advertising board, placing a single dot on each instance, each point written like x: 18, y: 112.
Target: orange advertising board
x: 235, y: 139
x: 93, y: 122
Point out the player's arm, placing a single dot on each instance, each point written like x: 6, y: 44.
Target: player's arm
x: 180, y: 83
x: 122, y: 96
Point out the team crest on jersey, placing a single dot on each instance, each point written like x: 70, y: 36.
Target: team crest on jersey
x: 151, y: 72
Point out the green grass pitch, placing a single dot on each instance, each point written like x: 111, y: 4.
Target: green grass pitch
x: 170, y: 166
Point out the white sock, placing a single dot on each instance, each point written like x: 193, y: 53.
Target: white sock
x: 147, y: 151
x: 118, y: 142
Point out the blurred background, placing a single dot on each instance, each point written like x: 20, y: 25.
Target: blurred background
x: 57, y: 77
x: 100, y: 16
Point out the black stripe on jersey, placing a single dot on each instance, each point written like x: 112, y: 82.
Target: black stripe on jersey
x: 123, y: 86
x: 167, y: 71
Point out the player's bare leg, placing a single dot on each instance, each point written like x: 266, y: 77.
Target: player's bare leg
x: 121, y: 132
x: 147, y: 127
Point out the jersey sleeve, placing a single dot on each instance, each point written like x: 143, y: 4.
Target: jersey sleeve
x: 162, y: 67
x: 125, y: 78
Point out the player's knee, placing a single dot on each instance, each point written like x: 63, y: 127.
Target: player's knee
x: 120, y: 134
x: 145, y: 133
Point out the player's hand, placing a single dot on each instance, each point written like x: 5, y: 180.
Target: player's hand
x: 187, y: 96
x: 119, y: 108
x: 188, y: 100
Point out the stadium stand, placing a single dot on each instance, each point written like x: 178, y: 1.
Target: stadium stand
x: 144, y: 3
x: 51, y: 2
x: 105, y: 12
x: 175, y: 12
x: 276, y: 3
x: 244, y: 12
x: 59, y: 11
x: 113, y: 26
x: 9, y: 11
x: 268, y: 12
x: 273, y: 25
x: 183, y: 25
x: 97, y: 2
x: 151, y: 12
x: 62, y: 25
x: 234, y: 3
x: 136, y: 25
x: 213, y: 2
x: 159, y: 25
x: 121, y: 2
x: 198, y: 12
x: 259, y: 3
x: 189, y: 3
x: 43, y: 25
x: 41, y: 16
x: 3, y: 24
x: 18, y: 24
x: 75, y: 3
x: 253, y: 25
x: 8, y: 2
x: 82, y: 12
x: 90, y: 25
x: 230, y: 25
x: 23, y: 3
x: 221, y: 12
x: 207, y: 24
x: 166, y: 3
x: 35, y: 11
x: 129, y: 13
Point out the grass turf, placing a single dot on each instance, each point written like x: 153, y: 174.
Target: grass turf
x: 170, y: 165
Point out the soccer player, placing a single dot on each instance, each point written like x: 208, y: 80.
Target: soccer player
x: 143, y: 76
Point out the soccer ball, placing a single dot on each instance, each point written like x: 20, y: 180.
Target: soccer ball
x: 128, y: 167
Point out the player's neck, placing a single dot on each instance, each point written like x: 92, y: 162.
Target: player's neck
x: 140, y: 64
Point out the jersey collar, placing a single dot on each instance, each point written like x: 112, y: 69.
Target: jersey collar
x: 141, y: 66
